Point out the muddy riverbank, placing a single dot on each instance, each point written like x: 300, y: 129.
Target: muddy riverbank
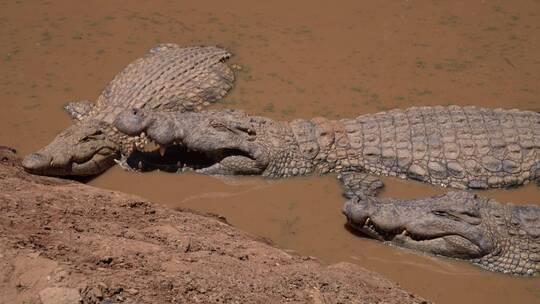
x: 62, y: 241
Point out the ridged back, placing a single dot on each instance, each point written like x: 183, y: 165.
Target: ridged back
x: 458, y: 146
x: 169, y: 77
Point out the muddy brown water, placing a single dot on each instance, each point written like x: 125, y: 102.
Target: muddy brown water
x: 299, y: 59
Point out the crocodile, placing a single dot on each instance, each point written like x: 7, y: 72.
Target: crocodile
x: 459, y: 224
x: 461, y: 147
x: 169, y: 78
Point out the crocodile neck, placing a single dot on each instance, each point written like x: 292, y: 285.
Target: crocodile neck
x: 515, y: 246
x: 317, y: 145
x: 325, y: 144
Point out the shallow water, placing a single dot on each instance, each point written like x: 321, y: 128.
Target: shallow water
x: 300, y: 59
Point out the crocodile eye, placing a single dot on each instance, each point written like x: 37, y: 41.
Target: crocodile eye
x: 470, y: 214
x: 440, y: 213
x: 219, y: 126
x: 462, y: 216
x: 96, y: 135
x: 447, y: 215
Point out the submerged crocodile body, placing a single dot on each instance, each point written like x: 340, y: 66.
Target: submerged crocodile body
x: 168, y: 78
x: 460, y: 147
x: 495, y: 236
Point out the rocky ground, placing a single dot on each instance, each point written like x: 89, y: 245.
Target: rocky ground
x: 65, y: 242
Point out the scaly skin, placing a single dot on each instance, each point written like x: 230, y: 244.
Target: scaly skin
x: 168, y: 78
x: 462, y: 147
x: 499, y: 237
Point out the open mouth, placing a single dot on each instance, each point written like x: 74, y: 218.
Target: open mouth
x: 448, y: 244
x: 178, y: 158
x: 372, y: 230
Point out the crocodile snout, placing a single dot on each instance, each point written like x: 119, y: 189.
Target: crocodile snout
x: 356, y: 211
x: 36, y: 162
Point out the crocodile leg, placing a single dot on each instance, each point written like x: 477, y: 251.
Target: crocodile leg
x: 359, y: 184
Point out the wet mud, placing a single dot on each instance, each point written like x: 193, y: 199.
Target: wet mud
x: 301, y: 59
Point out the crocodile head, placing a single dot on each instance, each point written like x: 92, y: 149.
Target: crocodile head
x: 216, y: 143
x: 450, y: 225
x: 83, y: 149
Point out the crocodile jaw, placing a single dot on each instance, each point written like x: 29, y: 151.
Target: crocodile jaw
x: 83, y: 149
x: 210, y: 144
x: 451, y: 245
x: 42, y: 164
x: 147, y: 154
x: 444, y: 225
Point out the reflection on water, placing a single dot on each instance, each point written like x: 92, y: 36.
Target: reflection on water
x: 298, y: 59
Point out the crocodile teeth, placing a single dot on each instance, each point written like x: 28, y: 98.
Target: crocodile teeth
x: 405, y: 233
x: 367, y: 221
x: 162, y: 150
x: 186, y: 169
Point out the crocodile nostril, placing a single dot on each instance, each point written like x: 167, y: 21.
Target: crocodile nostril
x: 36, y: 161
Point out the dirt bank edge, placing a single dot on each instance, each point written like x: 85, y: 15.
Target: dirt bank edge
x: 66, y: 242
